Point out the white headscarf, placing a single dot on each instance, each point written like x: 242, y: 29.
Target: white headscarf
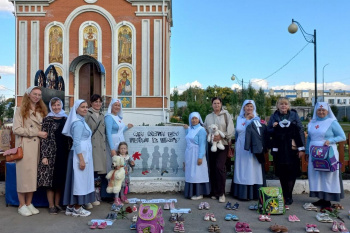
x: 109, y: 111
x: 195, y: 114
x: 241, y: 114
x: 72, y: 117
x: 323, y: 105
x: 29, y: 90
x: 52, y: 113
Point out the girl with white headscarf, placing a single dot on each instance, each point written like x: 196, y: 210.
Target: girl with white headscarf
x: 79, y: 189
x: 115, y: 129
x: 248, y: 174
x: 27, y: 128
x: 196, y: 166
x: 54, y: 152
x: 324, y: 129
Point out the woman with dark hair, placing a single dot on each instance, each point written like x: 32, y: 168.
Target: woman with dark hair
x: 102, y: 163
x: 54, y: 152
x: 288, y: 140
x: 196, y: 166
x: 217, y: 160
x: 27, y: 128
x: 79, y: 189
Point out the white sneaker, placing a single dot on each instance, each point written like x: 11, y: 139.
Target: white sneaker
x: 96, y: 203
x: 80, y: 212
x: 69, y: 211
x: 197, y: 197
x: 88, y: 206
x: 222, y: 198
x: 33, y: 209
x: 24, y: 211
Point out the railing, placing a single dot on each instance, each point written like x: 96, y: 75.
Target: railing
x: 304, y: 162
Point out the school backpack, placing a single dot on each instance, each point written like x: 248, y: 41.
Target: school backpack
x: 150, y: 219
x: 271, y: 201
x: 323, y: 158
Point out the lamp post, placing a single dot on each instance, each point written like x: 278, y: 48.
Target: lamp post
x: 233, y: 78
x: 323, y: 79
x: 293, y: 28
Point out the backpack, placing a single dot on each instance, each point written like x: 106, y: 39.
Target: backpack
x: 150, y: 219
x: 271, y: 201
x: 323, y: 158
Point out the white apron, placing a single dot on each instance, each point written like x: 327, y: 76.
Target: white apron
x: 247, y: 167
x: 320, y: 181
x: 119, y: 136
x: 84, y: 179
x: 193, y: 172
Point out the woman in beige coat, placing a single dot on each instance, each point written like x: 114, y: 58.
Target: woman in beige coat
x: 27, y: 128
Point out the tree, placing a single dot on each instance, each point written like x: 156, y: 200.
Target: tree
x: 260, y: 102
x: 203, y: 109
x: 175, y: 99
x: 251, y: 92
x: 299, y: 102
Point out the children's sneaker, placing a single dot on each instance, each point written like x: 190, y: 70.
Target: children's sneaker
x: 69, y: 211
x: 181, y: 227
x: 177, y: 227
x: 80, y: 212
x: 134, y: 208
x: 133, y: 226
x: 166, y: 206
x: 172, y: 205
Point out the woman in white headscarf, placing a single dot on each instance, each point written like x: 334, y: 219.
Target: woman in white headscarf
x: 249, y: 174
x: 196, y: 166
x: 115, y: 129
x: 54, y: 152
x: 79, y: 189
x: 324, y: 129
x: 27, y: 128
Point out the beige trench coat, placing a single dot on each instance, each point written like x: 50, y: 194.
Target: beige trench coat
x: 98, y: 141
x: 27, y: 136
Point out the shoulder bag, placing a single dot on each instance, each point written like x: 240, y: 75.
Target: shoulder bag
x: 14, y: 153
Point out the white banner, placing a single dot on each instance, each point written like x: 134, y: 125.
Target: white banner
x: 158, y: 151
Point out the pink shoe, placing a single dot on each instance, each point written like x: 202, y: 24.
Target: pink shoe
x: 181, y: 227
x: 103, y: 225
x: 290, y: 218
x: 267, y: 218
x: 134, y: 208
x: 118, y: 202
x: 95, y: 224
x: 342, y: 227
x: 177, y: 227
x: 172, y: 205
x: 335, y: 226
x: 296, y: 219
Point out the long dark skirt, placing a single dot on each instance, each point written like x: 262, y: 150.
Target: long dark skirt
x: 217, y: 170
x: 330, y: 196
x: 68, y: 197
x: 247, y: 192
x: 196, y: 189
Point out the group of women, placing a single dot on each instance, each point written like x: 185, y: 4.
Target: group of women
x: 65, y: 154
x: 205, y: 173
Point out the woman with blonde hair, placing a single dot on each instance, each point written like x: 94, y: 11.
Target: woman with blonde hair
x: 287, y: 144
x: 27, y: 128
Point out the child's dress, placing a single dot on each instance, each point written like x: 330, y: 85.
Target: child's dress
x: 128, y: 166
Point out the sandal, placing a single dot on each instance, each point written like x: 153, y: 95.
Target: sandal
x: 216, y: 228
x: 228, y: 206
x: 211, y: 228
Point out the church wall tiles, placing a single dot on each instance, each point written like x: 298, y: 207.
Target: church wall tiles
x: 34, y: 50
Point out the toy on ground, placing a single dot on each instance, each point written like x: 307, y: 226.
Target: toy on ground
x: 214, y: 131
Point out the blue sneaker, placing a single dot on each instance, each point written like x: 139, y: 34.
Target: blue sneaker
x: 133, y: 226
x: 116, y: 207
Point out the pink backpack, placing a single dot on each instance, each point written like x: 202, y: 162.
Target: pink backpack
x: 150, y: 219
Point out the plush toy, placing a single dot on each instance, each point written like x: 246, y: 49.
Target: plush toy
x: 213, y: 131
x: 116, y: 177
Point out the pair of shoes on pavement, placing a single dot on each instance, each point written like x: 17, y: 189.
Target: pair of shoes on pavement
x: 204, y: 206
x: 293, y: 218
x: 28, y: 210
x: 229, y: 206
x: 339, y: 226
x: 95, y: 225
x: 179, y: 227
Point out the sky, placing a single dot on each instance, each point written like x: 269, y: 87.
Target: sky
x: 212, y: 40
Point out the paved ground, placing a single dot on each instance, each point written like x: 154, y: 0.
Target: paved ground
x: 10, y: 221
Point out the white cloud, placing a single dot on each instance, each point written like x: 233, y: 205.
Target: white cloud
x: 257, y: 83
x: 7, y: 69
x: 308, y: 85
x: 5, y: 5
x: 184, y: 87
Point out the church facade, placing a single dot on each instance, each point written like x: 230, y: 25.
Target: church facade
x: 115, y: 48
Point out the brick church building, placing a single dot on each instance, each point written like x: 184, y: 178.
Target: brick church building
x: 115, y: 48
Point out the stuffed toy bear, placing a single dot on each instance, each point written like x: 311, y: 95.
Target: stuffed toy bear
x: 116, y: 177
x: 213, y: 131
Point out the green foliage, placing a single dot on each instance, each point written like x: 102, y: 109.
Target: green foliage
x: 299, y: 102
x: 203, y: 109
x: 260, y: 103
x: 334, y: 110
x: 6, y: 108
x: 344, y: 119
x: 175, y: 99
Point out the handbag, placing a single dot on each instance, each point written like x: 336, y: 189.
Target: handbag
x: 231, y: 151
x: 14, y: 154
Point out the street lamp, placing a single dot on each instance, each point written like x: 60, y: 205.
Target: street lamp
x: 323, y: 79
x: 215, y: 93
x: 233, y: 78
x: 293, y: 28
